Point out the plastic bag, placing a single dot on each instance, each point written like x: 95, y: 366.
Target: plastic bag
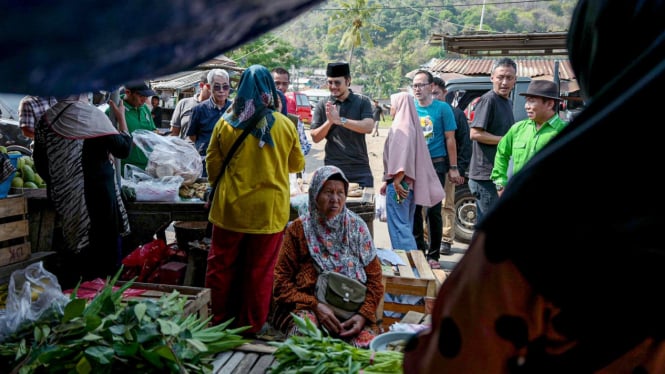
x: 381, y: 208
x: 148, y: 188
x: 32, y: 292
x: 143, y: 261
x: 169, y: 156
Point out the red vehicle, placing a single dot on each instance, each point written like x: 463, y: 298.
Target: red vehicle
x: 297, y: 103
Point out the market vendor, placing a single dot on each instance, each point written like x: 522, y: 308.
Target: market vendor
x: 138, y: 116
x: 330, y: 237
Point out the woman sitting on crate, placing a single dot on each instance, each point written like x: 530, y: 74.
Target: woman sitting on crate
x: 328, y: 237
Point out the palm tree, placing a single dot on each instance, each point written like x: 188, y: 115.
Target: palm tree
x: 358, y: 31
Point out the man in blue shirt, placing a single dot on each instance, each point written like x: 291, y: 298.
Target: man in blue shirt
x: 206, y: 114
x: 438, y: 122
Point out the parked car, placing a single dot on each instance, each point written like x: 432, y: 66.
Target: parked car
x: 10, y: 132
x: 297, y: 103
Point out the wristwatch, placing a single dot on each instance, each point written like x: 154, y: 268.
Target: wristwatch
x: 453, y: 167
x: 343, y: 120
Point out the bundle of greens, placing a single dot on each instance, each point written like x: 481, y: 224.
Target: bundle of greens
x: 315, y: 352
x: 109, y: 335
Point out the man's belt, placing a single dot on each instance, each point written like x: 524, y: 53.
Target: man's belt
x: 438, y: 159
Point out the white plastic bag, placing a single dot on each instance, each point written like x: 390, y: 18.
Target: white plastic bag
x: 380, y: 201
x: 169, y: 156
x: 149, y: 188
x: 32, y: 292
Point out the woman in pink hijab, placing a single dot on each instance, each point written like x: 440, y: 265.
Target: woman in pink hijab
x: 409, y: 177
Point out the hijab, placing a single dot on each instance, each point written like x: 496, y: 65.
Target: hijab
x: 256, y: 92
x: 343, y: 243
x: 406, y: 150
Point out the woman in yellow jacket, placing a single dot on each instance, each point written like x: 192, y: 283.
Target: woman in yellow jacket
x: 250, y: 208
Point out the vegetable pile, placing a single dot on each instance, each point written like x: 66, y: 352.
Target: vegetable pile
x: 109, y: 335
x: 318, y: 353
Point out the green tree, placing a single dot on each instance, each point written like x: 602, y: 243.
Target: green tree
x: 358, y: 30
x: 267, y: 50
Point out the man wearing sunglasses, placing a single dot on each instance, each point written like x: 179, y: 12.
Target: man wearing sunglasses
x: 207, y: 113
x: 183, y: 110
x: 343, y: 120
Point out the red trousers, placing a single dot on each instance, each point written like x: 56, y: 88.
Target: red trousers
x: 240, y: 276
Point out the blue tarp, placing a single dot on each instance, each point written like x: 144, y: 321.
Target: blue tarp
x: 59, y: 48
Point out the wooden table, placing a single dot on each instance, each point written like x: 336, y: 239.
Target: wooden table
x: 251, y: 358
x: 149, y: 217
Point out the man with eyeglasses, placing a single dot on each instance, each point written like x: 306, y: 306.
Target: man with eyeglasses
x: 343, y: 120
x: 282, y: 80
x: 182, y: 113
x: 493, y: 117
x: 138, y: 117
x: 438, y: 122
x: 206, y: 114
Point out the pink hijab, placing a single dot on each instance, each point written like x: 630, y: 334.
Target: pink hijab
x: 405, y: 150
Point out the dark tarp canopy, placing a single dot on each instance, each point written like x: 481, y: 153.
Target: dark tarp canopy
x: 59, y: 48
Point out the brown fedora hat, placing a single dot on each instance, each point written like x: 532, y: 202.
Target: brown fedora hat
x: 542, y: 88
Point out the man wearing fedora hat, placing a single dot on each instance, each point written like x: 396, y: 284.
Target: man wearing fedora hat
x: 343, y: 120
x: 528, y: 136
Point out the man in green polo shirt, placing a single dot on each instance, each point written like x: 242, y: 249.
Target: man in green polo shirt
x: 528, y: 136
x: 138, y: 116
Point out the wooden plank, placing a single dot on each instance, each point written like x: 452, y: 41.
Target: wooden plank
x: 403, y: 308
x: 232, y: 363
x: 198, y: 299
x: 246, y: 363
x: 263, y: 364
x: 420, y: 263
x: 440, y: 276
x: 7, y: 270
x: 220, y: 360
x: 15, y: 253
x: 413, y: 317
x: 404, y: 270
x: 13, y: 206
x: 14, y: 229
x: 257, y: 348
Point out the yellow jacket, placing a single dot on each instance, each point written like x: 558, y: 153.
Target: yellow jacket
x: 253, y: 195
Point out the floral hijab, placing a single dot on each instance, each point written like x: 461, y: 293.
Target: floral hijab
x: 343, y: 243
x: 256, y: 91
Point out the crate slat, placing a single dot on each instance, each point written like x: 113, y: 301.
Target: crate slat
x: 14, y: 231
x: 198, y: 299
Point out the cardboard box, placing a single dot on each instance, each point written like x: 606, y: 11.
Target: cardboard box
x: 14, y: 230
x: 415, y: 278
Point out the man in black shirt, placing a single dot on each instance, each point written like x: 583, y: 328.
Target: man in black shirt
x: 343, y: 120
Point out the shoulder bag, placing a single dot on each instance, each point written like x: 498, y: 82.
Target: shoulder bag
x: 342, y: 294
x: 227, y: 159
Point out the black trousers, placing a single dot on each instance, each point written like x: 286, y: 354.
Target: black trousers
x: 434, y: 220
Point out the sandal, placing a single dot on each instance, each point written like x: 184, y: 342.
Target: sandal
x: 434, y: 264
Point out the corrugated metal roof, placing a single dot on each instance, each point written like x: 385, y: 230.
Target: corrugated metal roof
x: 178, y: 81
x: 525, y: 67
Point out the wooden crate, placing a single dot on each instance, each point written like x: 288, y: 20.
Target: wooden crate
x: 14, y: 231
x: 415, y: 278
x: 198, y: 299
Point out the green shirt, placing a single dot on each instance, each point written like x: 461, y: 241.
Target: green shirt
x: 520, y: 143
x: 136, y: 118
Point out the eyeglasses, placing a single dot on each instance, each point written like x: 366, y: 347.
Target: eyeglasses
x: 220, y: 87
x: 420, y: 85
x: 335, y: 83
